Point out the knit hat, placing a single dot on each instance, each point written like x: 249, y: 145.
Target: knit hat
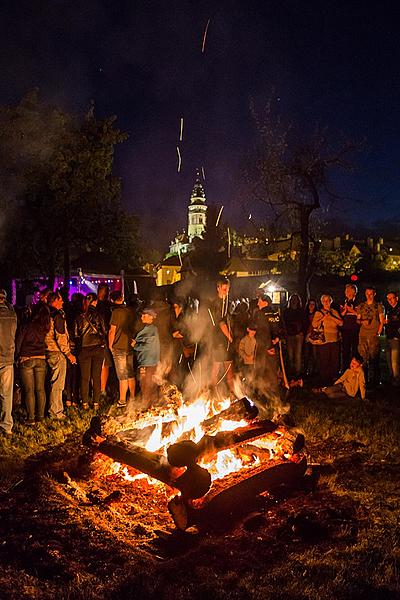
x: 3, y: 294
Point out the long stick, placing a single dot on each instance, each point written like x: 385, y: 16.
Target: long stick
x: 285, y: 379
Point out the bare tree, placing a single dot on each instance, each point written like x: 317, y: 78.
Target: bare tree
x: 291, y: 176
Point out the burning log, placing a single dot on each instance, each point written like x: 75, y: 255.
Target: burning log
x: 186, y: 453
x: 194, y: 482
x: 234, y: 491
x: 239, y: 410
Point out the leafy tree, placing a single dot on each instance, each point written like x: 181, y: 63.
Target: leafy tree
x: 290, y: 175
x: 65, y: 197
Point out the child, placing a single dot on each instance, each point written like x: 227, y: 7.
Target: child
x: 347, y: 386
x: 147, y: 346
x: 247, y: 350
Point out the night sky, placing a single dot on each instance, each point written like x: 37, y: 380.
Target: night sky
x: 332, y: 62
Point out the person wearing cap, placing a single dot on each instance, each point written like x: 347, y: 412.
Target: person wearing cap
x: 90, y: 338
x: 146, y: 344
x: 8, y: 328
x: 267, y: 338
x: 122, y: 326
x: 222, y: 339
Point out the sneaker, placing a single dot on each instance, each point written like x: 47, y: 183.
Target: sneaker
x: 5, y: 432
x: 30, y: 422
x: 121, y: 403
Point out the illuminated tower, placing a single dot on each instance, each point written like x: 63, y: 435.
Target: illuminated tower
x: 197, y: 210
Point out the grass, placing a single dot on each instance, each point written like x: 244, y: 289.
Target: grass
x: 340, y: 541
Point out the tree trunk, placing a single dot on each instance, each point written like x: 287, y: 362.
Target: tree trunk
x: 67, y: 265
x: 302, y: 276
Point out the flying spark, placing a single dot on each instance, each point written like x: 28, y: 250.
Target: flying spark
x: 181, y: 132
x: 229, y: 243
x: 179, y: 159
x: 205, y: 36
x: 204, y: 175
x: 219, y: 216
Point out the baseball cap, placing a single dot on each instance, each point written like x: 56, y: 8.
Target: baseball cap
x: 149, y: 311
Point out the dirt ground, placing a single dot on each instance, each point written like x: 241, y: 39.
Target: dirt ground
x: 69, y: 529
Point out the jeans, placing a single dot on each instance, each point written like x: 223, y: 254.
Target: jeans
x: 33, y: 375
x: 295, y: 350
x: 123, y: 362
x: 6, y: 397
x: 148, y: 386
x: 57, y: 364
x: 336, y: 391
x: 393, y: 359
x: 90, y: 361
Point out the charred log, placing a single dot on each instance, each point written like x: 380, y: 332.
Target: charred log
x: 237, y: 411
x: 185, y: 453
x: 234, y: 491
x: 194, y: 482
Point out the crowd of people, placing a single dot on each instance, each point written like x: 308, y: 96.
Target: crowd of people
x: 91, y: 348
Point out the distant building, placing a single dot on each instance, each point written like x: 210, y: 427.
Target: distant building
x: 197, y: 220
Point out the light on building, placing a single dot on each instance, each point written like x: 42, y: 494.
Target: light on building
x: 271, y: 288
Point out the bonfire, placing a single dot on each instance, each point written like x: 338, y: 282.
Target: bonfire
x: 212, y: 454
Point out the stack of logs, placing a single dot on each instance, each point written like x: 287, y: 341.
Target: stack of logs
x: 181, y: 471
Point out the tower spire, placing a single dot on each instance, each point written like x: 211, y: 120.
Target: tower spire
x: 197, y: 209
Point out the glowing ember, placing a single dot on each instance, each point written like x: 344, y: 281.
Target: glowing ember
x: 157, y: 431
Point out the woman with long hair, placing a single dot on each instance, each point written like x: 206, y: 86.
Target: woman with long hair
x: 31, y: 358
x: 90, y: 339
x: 310, y: 350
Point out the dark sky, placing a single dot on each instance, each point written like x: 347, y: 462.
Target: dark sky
x: 331, y: 61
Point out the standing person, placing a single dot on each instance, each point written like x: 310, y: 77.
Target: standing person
x: 371, y: 318
x: 104, y: 309
x: 328, y: 351
x: 8, y: 327
x: 222, y: 348
x: 183, y: 347
x: 267, y: 338
x: 122, y: 325
x: 30, y: 352
x: 310, y: 350
x: 393, y: 337
x: 293, y: 320
x: 350, y: 328
x: 58, y: 351
x: 72, y: 380
x: 90, y: 338
x: 146, y: 344
x: 247, y: 353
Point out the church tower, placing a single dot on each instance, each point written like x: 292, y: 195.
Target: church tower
x: 197, y: 210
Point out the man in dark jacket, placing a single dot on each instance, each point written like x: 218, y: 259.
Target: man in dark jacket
x: 267, y: 338
x: 393, y: 337
x: 8, y: 327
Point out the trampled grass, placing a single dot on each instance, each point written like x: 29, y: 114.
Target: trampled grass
x: 339, y: 540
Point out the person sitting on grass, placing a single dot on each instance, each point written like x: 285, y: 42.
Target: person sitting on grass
x: 146, y: 344
x: 348, y: 385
